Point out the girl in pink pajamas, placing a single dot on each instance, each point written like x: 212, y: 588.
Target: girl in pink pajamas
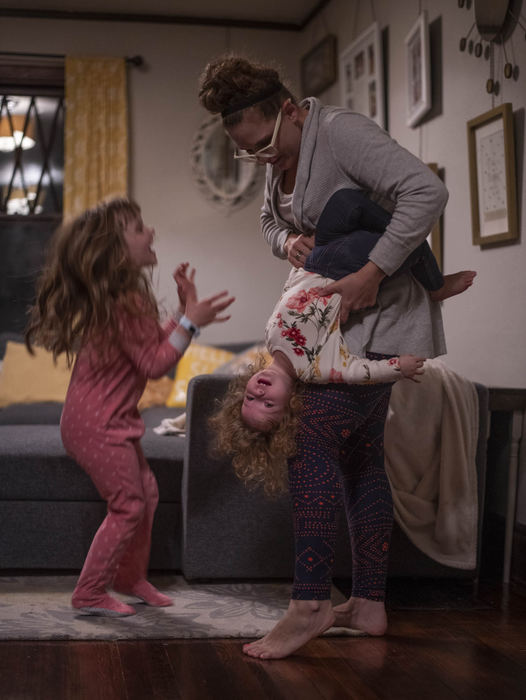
x: 95, y: 300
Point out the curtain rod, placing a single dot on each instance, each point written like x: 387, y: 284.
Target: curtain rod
x: 131, y: 60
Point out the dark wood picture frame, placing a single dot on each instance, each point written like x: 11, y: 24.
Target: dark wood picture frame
x: 492, y: 179
x: 435, y: 237
x: 319, y: 67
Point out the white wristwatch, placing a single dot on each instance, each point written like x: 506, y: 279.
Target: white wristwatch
x: 190, y: 326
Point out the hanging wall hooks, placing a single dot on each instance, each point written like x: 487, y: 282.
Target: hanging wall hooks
x: 494, y: 23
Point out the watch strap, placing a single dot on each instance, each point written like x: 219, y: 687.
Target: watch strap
x: 189, y: 325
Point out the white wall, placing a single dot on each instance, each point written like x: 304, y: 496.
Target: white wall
x: 485, y: 327
x: 228, y: 251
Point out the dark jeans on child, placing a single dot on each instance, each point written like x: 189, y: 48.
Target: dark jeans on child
x: 347, y: 231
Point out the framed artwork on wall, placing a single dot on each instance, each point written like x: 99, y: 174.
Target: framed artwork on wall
x: 319, y: 67
x: 492, y: 178
x: 418, y: 71
x: 435, y: 237
x: 362, y: 76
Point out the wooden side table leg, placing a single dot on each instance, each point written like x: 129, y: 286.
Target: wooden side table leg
x: 516, y: 436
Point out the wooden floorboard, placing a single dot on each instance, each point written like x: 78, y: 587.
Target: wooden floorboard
x: 477, y: 652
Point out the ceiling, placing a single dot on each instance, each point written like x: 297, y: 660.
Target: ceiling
x: 292, y: 14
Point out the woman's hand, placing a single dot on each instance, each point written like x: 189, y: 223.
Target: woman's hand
x: 410, y: 366
x: 358, y: 290
x: 298, y: 247
x: 185, y: 284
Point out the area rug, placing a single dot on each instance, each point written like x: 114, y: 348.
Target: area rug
x: 38, y: 607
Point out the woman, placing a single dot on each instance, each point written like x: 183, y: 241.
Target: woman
x: 311, y: 152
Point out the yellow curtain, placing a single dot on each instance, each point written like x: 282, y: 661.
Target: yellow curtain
x: 96, y: 132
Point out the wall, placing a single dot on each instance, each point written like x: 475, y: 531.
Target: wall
x: 485, y: 327
x: 228, y: 251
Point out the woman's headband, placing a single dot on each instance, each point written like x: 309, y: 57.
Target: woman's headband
x: 251, y: 100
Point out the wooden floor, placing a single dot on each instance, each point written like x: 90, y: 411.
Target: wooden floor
x: 463, y: 651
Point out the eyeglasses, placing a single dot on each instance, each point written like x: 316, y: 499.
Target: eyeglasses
x: 265, y: 153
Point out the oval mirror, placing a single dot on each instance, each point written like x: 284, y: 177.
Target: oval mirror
x: 230, y: 184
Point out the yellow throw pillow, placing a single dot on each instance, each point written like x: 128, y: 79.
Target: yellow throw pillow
x: 156, y: 392
x: 27, y: 378
x: 198, y: 359
x: 242, y: 361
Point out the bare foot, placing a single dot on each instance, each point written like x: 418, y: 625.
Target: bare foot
x: 304, y: 620
x: 367, y: 616
x: 456, y: 283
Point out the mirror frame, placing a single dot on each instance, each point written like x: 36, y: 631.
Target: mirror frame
x: 223, y: 200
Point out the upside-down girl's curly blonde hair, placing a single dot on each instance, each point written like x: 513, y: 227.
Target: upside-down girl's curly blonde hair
x: 258, y: 458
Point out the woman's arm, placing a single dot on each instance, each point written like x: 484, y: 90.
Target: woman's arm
x: 285, y: 243
x: 275, y: 235
x: 383, y: 168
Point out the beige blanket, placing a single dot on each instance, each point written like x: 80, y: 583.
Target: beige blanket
x: 430, y: 447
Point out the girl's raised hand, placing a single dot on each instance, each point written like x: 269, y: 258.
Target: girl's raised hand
x: 185, y: 284
x: 206, y: 311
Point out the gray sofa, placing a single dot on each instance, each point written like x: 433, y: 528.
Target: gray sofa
x: 208, y: 525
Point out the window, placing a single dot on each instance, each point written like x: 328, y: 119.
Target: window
x: 31, y: 154
x: 31, y: 177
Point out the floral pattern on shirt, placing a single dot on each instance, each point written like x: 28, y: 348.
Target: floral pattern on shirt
x: 308, y: 308
x: 306, y: 328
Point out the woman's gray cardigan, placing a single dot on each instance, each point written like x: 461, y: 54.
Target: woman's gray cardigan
x: 343, y: 149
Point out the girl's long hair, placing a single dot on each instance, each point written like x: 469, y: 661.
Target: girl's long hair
x: 87, y: 274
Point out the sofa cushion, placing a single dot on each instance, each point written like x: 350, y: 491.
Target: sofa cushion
x: 35, y: 466
x: 38, y: 413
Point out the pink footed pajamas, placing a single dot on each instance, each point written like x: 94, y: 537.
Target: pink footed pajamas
x: 101, y: 429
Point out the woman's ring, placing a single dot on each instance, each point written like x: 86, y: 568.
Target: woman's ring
x: 298, y: 256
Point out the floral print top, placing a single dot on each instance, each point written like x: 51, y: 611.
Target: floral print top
x: 306, y: 328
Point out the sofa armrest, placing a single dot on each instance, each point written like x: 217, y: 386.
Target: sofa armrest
x: 228, y: 530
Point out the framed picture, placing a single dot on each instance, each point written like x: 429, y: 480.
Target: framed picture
x: 318, y: 67
x: 361, y: 75
x: 435, y: 237
x: 418, y: 71
x: 492, y: 176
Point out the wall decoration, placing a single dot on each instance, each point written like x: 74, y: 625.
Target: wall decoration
x: 418, y: 71
x: 492, y: 176
x: 227, y: 183
x: 361, y: 75
x: 495, y: 23
x: 435, y: 237
x: 318, y: 67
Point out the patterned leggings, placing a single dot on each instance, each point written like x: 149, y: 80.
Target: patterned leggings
x: 340, y: 457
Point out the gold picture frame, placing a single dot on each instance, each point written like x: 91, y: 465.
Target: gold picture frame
x: 493, y: 185
x: 319, y: 67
